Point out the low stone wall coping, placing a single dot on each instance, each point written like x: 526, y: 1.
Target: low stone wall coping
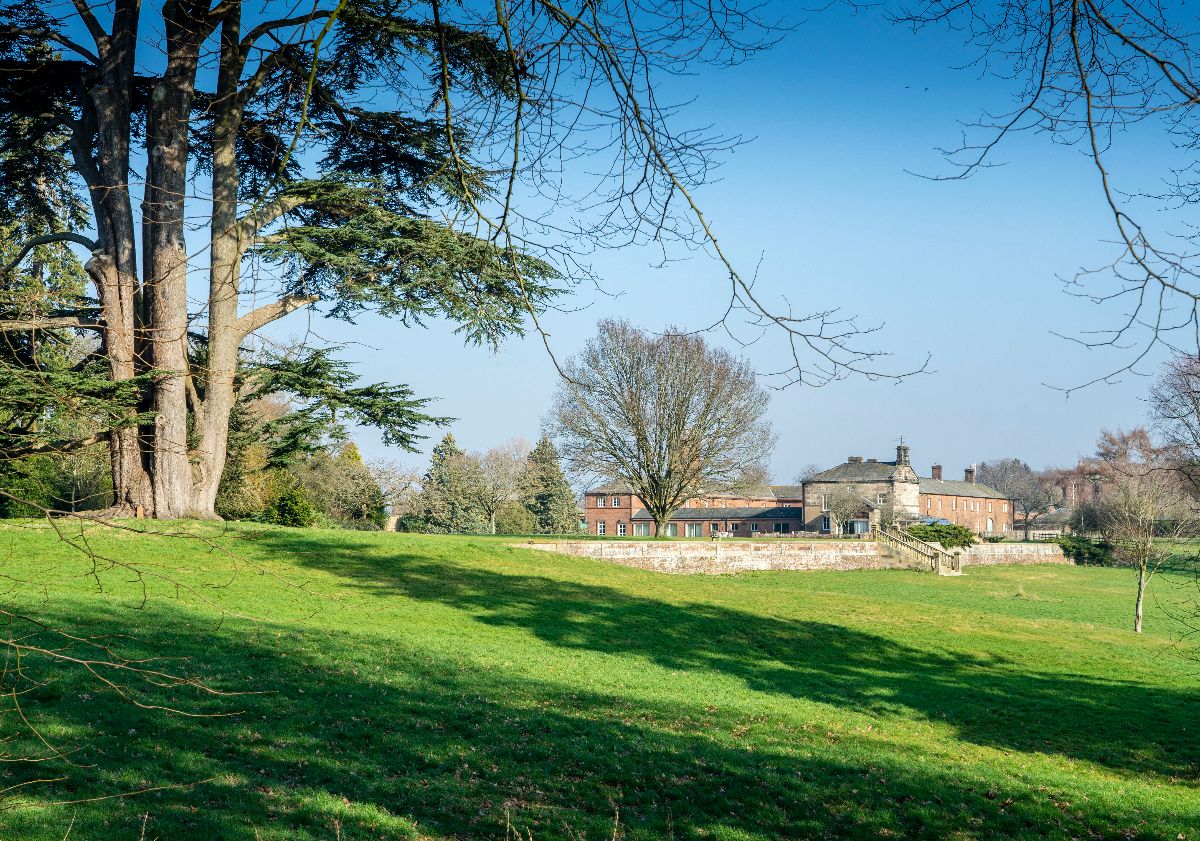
x: 725, y: 557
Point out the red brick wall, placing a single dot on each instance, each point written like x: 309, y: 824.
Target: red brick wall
x: 971, y: 512
x: 628, y: 504
x: 610, y: 516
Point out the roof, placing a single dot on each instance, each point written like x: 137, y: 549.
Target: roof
x: 857, y: 471
x: 611, y: 488
x: 950, y: 487
x: 777, y: 491
x: 706, y: 514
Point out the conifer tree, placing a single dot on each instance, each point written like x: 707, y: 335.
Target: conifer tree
x: 545, y: 492
x: 449, y: 499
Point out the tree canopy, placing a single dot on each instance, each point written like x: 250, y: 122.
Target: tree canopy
x: 403, y: 157
x: 667, y: 414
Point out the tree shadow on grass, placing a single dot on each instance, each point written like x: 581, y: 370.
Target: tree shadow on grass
x: 988, y: 700
x: 359, y: 738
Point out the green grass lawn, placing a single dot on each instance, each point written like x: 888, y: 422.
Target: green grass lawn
x: 443, y: 687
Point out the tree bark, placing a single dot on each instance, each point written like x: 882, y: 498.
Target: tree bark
x: 225, y: 335
x: 106, y: 106
x: 1141, y: 593
x: 165, y: 261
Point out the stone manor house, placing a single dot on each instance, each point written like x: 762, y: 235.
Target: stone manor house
x: 889, y: 490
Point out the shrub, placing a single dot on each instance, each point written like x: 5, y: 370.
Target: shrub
x: 515, y: 518
x: 993, y: 538
x: 413, y: 523
x: 1083, y: 550
x: 949, y: 536
x: 290, y: 507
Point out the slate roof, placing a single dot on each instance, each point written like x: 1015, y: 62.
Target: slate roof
x: 706, y: 514
x: 857, y: 471
x: 950, y: 487
x: 611, y: 488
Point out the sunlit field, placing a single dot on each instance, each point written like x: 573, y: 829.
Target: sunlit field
x: 395, y: 686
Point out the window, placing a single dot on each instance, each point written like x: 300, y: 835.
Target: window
x: 954, y: 504
x: 672, y: 530
x: 693, y: 529
x: 824, y: 502
x: 714, y: 528
x: 880, y: 499
x: 621, y: 529
x: 989, y: 508
x: 1006, y: 526
x: 616, y: 502
x: 777, y: 528
x: 1004, y: 507
x: 928, y: 502
x: 733, y: 526
x: 600, y: 502
x: 754, y: 527
x: 825, y: 523
x: 600, y: 527
x: 641, y: 529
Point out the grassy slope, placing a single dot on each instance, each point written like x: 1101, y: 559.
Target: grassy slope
x: 434, y: 687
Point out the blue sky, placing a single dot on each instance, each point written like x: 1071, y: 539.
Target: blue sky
x: 965, y: 271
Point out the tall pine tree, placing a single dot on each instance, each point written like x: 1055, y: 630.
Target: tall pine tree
x: 546, y: 494
x: 449, y: 499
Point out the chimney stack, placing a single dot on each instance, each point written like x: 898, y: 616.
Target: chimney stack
x: 902, y: 454
x: 854, y: 459
x: 969, y: 474
x: 937, y: 472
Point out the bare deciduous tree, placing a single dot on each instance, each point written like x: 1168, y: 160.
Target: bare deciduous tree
x: 1175, y: 414
x: 842, y: 506
x: 807, y: 472
x: 1082, y: 73
x: 1145, y: 505
x: 400, y: 483
x: 1031, y: 495
x: 667, y: 414
x: 500, y: 471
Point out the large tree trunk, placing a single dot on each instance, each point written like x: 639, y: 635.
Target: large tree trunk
x: 165, y: 260
x: 113, y: 266
x: 227, y: 248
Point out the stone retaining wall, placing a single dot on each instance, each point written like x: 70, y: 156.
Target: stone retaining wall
x: 987, y: 554
x: 723, y: 557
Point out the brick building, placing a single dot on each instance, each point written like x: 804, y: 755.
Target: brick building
x: 776, y: 509
x: 890, y: 490
x: 893, y: 490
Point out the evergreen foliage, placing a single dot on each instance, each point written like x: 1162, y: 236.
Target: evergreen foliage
x: 290, y: 507
x: 949, y: 535
x: 325, y: 164
x: 515, y: 518
x: 546, y: 494
x: 1084, y: 550
x: 322, y: 394
x: 341, y: 487
x: 448, y: 502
